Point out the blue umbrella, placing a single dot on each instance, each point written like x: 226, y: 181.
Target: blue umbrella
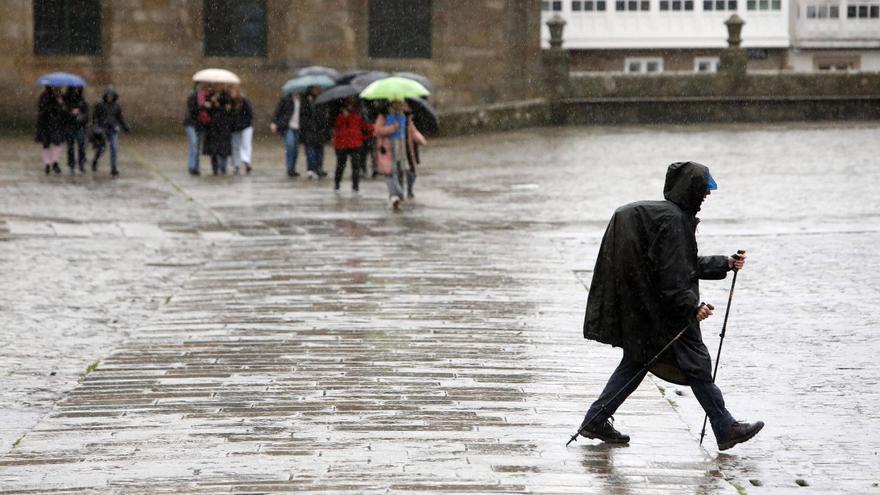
x: 300, y: 84
x: 57, y: 79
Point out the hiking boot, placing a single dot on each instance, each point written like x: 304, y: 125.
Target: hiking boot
x: 739, y: 432
x: 603, y: 431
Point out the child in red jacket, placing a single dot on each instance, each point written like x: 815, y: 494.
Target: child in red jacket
x: 348, y: 139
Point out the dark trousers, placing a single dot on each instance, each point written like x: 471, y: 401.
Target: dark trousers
x: 315, y: 157
x: 707, y: 394
x: 341, y: 159
x: 76, y: 137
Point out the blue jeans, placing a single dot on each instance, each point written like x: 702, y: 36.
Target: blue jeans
x: 291, y: 142
x: 112, y: 137
x: 193, y: 136
x: 77, y: 137
x: 315, y: 157
x: 707, y: 394
x: 393, y: 181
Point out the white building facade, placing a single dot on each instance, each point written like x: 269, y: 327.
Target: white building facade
x: 835, y: 36
x: 650, y: 36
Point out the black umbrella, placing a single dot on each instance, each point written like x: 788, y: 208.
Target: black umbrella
x: 347, y: 77
x: 424, y: 116
x: 336, y: 93
x: 424, y: 81
x: 364, y: 80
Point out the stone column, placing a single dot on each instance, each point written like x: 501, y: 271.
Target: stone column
x: 733, y: 58
x: 556, y: 62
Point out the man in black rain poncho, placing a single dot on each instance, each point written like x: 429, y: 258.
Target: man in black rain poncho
x: 645, y: 289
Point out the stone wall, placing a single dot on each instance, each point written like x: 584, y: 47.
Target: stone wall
x: 674, y: 60
x: 719, y: 85
x: 483, y: 52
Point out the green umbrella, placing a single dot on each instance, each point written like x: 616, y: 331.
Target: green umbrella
x: 300, y: 84
x: 394, y: 88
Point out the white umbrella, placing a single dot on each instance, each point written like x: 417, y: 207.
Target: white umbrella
x: 221, y: 76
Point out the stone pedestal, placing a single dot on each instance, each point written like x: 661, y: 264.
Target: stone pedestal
x: 556, y: 62
x: 734, y: 58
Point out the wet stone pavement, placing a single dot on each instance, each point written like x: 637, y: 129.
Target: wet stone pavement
x: 263, y: 335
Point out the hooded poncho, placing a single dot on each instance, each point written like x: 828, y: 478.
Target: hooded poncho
x: 645, y: 285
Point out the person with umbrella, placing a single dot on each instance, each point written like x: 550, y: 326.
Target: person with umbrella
x: 52, y: 116
x: 107, y: 120
x: 218, y: 134
x: 77, y: 116
x: 51, y: 119
x: 315, y: 131
x: 391, y: 130
x: 197, y: 120
x: 645, y: 291
x: 242, y: 130
x: 414, y: 139
x: 348, y: 140
x: 285, y: 123
x: 193, y: 124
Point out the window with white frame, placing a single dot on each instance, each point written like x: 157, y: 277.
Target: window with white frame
x: 719, y: 5
x: 643, y: 65
x: 706, y: 65
x: 823, y: 11
x: 863, y: 10
x: 764, y: 4
x: 554, y: 6
x: 676, y: 5
x: 588, y: 5
x: 632, y: 5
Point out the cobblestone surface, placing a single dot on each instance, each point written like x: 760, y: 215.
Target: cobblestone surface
x: 262, y: 335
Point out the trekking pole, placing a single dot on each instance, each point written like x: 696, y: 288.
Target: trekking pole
x: 736, y: 256
x: 643, y: 370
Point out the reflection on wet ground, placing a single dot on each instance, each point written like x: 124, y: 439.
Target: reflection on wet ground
x: 262, y: 335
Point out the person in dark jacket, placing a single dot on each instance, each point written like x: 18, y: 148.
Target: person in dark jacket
x: 645, y: 290
x: 285, y: 122
x: 50, y: 127
x: 348, y: 141
x: 315, y: 128
x: 107, y: 120
x: 77, y: 116
x: 192, y: 124
x: 218, y: 134
x: 242, y: 130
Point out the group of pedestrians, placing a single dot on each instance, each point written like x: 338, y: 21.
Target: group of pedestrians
x: 63, y: 118
x: 379, y: 132
x: 219, y: 123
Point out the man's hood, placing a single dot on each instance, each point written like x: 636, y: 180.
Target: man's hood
x: 686, y: 184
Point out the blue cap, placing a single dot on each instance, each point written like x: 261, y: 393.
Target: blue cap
x: 712, y: 185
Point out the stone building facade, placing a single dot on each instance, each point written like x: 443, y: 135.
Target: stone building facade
x: 474, y: 51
